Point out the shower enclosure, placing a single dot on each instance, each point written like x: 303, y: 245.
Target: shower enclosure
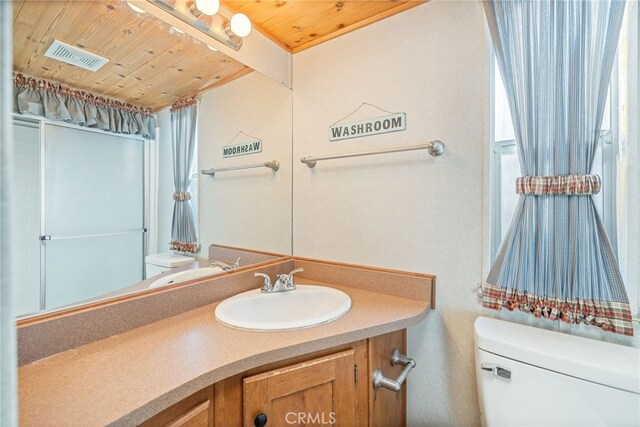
x: 81, y: 222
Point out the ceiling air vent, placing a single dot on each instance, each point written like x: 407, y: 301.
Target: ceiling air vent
x: 75, y: 56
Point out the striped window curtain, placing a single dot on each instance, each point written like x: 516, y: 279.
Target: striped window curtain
x: 556, y: 261
x: 184, y: 121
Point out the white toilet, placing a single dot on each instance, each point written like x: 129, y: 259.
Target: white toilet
x: 159, y: 263
x: 528, y: 376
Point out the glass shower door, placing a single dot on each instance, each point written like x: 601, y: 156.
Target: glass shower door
x: 93, y: 220
x: 26, y: 226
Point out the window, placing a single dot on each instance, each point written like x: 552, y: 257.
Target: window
x: 616, y: 159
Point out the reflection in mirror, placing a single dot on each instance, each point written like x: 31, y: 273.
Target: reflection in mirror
x: 95, y: 207
x: 249, y: 208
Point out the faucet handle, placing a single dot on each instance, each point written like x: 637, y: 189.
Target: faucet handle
x: 237, y: 263
x: 266, y: 285
x: 290, y: 282
x: 297, y: 270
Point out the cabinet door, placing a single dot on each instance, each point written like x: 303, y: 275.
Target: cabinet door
x: 319, y: 392
x: 194, y: 411
x: 387, y: 408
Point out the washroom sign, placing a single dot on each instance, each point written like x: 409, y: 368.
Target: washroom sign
x: 384, y: 124
x: 250, y: 147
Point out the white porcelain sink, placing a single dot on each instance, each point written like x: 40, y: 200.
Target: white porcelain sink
x: 185, y: 275
x: 307, y: 305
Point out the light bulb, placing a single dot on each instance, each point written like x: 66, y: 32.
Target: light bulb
x: 240, y: 25
x: 208, y: 7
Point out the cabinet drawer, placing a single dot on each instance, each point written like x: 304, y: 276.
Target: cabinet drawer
x: 194, y: 411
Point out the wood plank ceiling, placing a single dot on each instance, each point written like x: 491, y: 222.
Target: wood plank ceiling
x: 150, y: 64
x: 300, y: 24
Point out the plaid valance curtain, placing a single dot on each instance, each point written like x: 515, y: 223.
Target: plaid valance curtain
x: 56, y: 102
x: 556, y: 261
x: 184, y: 115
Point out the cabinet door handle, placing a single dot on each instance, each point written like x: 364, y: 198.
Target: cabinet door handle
x: 260, y: 420
x: 379, y: 380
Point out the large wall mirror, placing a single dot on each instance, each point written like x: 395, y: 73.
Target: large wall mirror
x: 92, y: 206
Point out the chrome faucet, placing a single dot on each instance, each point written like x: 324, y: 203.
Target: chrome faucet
x: 224, y: 265
x: 284, y: 282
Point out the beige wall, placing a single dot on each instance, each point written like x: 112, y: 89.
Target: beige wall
x: 409, y: 211
x: 406, y: 211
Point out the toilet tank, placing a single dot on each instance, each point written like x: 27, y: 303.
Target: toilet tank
x: 529, y: 376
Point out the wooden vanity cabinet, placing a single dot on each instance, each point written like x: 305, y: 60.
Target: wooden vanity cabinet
x: 311, y: 389
x: 328, y: 387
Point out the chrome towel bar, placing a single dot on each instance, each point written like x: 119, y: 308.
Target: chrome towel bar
x: 379, y: 380
x: 435, y: 148
x: 274, y: 165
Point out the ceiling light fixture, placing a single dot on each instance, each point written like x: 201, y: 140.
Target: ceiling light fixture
x: 135, y: 8
x: 204, y: 7
x: 239, y: 25
x: 230, y: 34
x: 212, y: 48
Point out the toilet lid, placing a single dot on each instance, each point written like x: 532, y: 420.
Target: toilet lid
x: 168, y: 259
